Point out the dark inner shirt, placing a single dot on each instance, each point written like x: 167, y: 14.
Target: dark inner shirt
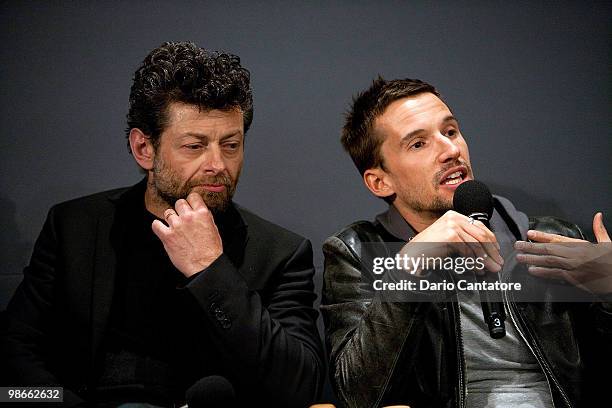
x: 146, y: 354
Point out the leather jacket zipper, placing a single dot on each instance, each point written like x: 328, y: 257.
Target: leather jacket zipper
x: 460, y: 355
x: 535, y: 350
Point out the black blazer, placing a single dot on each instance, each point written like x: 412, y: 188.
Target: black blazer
x: 255, y: 302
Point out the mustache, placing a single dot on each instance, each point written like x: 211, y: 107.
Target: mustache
x: 218, y: 179
x: 459, y: 162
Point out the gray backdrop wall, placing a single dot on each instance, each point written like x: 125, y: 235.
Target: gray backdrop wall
x: 530, y: 84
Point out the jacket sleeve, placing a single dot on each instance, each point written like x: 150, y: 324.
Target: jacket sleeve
x: 26, y: 333
x: 366, y: 336
x: 275, y: 344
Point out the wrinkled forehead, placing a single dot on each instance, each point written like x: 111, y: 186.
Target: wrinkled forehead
x: 179, y: 111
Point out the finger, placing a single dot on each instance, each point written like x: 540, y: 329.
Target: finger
x: 182, y: 207
x: 468, y: 245
x: 532, y: 248
x: 472, y: 225
x: 195, y: 201
x: 569, y: 251
x: 540, y: 236
x: 160, y: 229
x: 601, y: 234
x: 547, y: 273
x: 555, y: 273
x: 548, y: 261
x: 473, y: 248
x: 487, y: 240
x: 170, y: 216
x: 490, y: 236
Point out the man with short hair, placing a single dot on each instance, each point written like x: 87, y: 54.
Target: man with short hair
x: 135, y: 294
x: 431, y: 347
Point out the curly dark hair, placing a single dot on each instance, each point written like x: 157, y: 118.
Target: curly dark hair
x: 184, y: 72
x: 358, y: 138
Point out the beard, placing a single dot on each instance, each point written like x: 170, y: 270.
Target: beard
x: 422, y: 202
x: 170, y: 188
x: 418, y: 202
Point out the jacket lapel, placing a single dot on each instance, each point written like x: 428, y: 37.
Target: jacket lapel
x: 110, y: 229
x: 234, y: 238
x: 103, y: 281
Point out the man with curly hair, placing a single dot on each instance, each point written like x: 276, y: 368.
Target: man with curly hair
x: 134, y: 295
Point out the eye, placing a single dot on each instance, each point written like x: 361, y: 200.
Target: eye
x: 194, y: 146
x: 232, y: 146
x: 417, y: 145
x: 452, y: 132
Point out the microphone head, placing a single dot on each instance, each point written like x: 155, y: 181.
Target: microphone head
x: 473, y: 197
x: 210, y: 392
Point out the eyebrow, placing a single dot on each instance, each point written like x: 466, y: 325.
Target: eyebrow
x: 450, y: 118
x: 411, y: 135
x: 205, y: 136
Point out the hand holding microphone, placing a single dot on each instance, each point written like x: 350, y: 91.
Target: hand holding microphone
x: 474, y: 199
x: 466, y: 232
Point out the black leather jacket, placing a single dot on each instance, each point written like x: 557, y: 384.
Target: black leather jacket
x: 385, y: 353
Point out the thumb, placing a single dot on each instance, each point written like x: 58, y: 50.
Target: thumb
x: 601, y: 234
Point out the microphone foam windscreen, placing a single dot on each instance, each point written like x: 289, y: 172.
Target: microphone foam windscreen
x: 211, y: 392
x: 473, y: 197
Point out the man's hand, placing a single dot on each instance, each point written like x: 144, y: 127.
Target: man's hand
x: 455, y: 233
x: 191, y: 238
x: 579, y: 262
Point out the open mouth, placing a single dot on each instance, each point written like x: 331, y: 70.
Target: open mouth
x: 454, y: 176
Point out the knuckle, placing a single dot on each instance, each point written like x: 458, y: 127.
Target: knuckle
x: 570, y: 265
x: 163, y: 234
x: 453, y: 215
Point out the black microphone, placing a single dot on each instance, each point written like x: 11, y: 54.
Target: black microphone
x: 474, y: 199
x: 211, y: 392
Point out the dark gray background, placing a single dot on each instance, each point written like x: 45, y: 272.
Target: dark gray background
x: 530, y: 84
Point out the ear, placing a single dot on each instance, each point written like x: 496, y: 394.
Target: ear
x: 378, y: 182
x: 142, y: 149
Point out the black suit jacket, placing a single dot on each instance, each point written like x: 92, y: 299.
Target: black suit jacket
x: 254, y: 305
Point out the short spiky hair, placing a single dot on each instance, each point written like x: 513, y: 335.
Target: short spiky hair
x: 184, y: 72
x: 358, y: 138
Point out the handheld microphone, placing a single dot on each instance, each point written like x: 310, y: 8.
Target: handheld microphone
x: 474, y: 199
x: 211, y: 392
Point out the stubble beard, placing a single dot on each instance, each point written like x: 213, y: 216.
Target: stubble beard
x: 437, y: 205
x: 169, y: 187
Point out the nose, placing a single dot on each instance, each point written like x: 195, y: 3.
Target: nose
x: 213, y: 162
x: 449, y: 151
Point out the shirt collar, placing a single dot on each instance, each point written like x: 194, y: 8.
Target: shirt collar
x: 395, y: 224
